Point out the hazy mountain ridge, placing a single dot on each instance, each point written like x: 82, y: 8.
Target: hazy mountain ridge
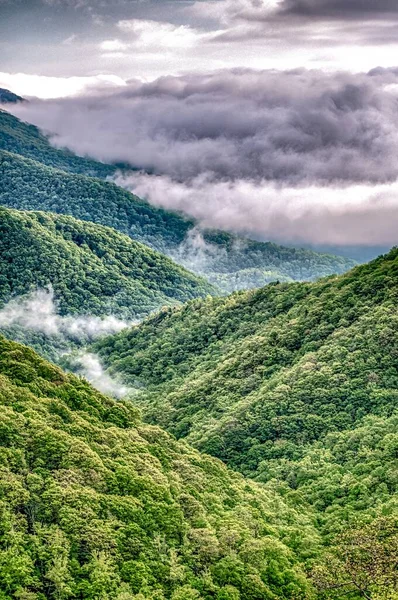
x: 7, y: 97
x: 64, y: 282
x: 30, y: 185
x: 92, y: 269
x: 223, y: 257
x: 26, y: 139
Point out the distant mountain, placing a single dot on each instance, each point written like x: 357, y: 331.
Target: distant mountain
x: 94, y: 504
x: 92, y: 269
x: 7, y: 97
x: 225, y: 259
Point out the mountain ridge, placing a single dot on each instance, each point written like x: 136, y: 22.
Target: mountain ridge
x: 31, y: 185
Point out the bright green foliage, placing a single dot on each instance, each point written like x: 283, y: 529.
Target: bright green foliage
x: 258, y: 378
x: 92, y: 269
x: 347, y: 476
x: 25, y: 139
x: 363, y: 564
x: 95, y: 505
x: 231, y: 262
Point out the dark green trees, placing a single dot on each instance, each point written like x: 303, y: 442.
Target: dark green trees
x: 92, y: 269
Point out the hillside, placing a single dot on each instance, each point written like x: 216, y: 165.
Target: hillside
x: 261, y: 379
x: 96, y: 505
x: 7, y: 97
x: 26, y: 140
x: 228, y: 261
x: 92, y: 269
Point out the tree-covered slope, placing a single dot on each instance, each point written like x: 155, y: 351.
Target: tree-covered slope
x: 93, y: 504
x: 7, y: 97
x: 92, y: 269
x: 26, y: 140
x: 227, y: 260
x: 261, y: 375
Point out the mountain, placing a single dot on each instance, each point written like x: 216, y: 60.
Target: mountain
x: 92, y: 269
x: 26, y: 140
x: 267, y: 380
x: 226, y: 260
x: 94, y: 504
x: 7, y: 97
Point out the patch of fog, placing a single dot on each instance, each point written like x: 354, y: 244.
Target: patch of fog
x: 197, y: 255
x: 38, y: 312
x: 67, y: 335
x: 89, y: 366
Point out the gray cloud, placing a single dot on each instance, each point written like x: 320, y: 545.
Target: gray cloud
x: 341, y: 9
x: 298, y: 156
x: 289, y: 127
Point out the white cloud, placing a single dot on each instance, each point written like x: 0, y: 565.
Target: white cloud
x: 155, y: 35
x: 38, y: 312
x: 336, y: 215
x: 89, y: 366
x: 44, y: 87
x: 113, y: 46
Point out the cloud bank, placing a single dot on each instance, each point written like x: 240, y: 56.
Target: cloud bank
x: 293, y: 156
x: 38, y: 312
x: 355, y: 215
x: 297, y: 126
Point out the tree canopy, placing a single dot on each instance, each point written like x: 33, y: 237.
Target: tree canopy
x: 94, y: 504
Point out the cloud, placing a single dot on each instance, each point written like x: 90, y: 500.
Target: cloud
x: 341, y: 9
x: 354, y: 215
x: 89, y: 366
x: 153, y: 35
x: 38, y: 312
x: 290, y: 127
x: 297, y: 156
x: 113, y: 46
x: 230, y: 11
x: 45, y: 87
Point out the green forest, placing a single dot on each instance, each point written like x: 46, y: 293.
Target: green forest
x: 294, y: 385
x: 94, y: 504
x: 254, y: 455
x: 92, y: 269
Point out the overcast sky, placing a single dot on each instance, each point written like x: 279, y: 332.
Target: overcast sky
x: 66, y: 42
x: 274, y: 117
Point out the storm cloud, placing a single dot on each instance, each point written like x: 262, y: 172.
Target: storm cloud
x: 340, y: 9
x: 298, y: 156
x: 291, y: 127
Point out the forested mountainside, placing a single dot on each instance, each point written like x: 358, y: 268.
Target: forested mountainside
x: 227, y: 260
x: 7, y: 97
x: 297, y: 382
x: 92, y: 269
x: 26, y: 140
x: 94, y: 504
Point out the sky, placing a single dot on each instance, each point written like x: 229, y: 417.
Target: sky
x: 276, y: 118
